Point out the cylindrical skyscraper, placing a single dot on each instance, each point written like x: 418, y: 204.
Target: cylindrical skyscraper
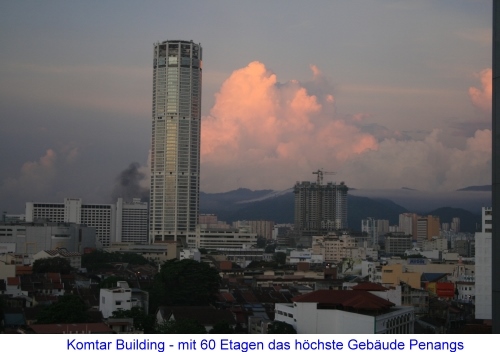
x: 175, y: 147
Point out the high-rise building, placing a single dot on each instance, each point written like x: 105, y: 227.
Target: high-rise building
x: 320, y: 208
x: 427, y: 228
x: 120, y: 222
x: 376, y: 228
x: 175, y: 147
x: 408, y: 224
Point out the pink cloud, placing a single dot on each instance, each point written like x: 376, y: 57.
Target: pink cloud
x: 263, y: 132
x: 481, y: 97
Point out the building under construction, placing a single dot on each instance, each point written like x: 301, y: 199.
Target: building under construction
x: 320, y: 208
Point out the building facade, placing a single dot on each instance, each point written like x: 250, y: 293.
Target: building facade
x: 408, y: 224
x: 120, y: 222
x: 221, y: 238
x: 375, y: 228
x: 320, y: 208
x: 131, y: 221
x: 31, y: 238
x: 483, y: 268
x: 396, y: 243
x: 427, y: 228
x: 175, y: 147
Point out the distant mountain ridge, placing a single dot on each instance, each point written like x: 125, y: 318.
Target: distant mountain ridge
x: 485, y: 188
x: 244, y: 204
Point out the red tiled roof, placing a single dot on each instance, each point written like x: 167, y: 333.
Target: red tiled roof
x: 23, y: 270
x: 359, y: 300
x: 227, y: 297
x: 54, y: 277
x: 13, y: 281
x: 369, y: 286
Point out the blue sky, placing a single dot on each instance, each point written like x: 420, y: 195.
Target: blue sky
x: 395, y: 93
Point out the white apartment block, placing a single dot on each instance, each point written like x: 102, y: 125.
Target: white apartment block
x: 483, y: 284
x: 121, y: 222
x: 121, y: 297
x: 218, y: 238
x: 118, y: 298
x: 334, y: 247
x: 131, y: 221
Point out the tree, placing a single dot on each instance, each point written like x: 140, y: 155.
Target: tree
x: 52, y: 265
x: 184, y: 326
x: 184, y: 283
x: 270, y: 248
x: 100, y: 259
x: 222, y: 327
x: 280, y: 258
x: 280, y: 327
x: 111, y: 281
x: 261, y: 242
x: 142, y: 321
x: 69, y: 309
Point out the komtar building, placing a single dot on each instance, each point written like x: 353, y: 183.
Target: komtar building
x: 175, y: 143
x: 120, y: 222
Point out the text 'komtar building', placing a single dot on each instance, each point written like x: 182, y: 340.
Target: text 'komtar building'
x: 175, y: 147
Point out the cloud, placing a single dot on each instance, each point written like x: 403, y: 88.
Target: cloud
x: 259, y: 124
x: 35, y: 178
x: 265, y: 134
x: 426, y: 165
x: 481, y: 97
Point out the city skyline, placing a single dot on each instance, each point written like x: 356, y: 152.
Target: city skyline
x: 387, y: 95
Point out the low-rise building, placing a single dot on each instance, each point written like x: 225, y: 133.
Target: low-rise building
x: 349, y: 312
x: 122, y: 297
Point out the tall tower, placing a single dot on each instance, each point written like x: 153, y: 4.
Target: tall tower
x: 175, y: 147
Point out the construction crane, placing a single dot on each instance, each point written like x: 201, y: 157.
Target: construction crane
x: 320, y: 174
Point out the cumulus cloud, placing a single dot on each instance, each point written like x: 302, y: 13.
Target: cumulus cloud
x: 34, y: 179
x: 261, y: 131
x: 481, y: 97
x: 265, y: 134
x: 426, y: 165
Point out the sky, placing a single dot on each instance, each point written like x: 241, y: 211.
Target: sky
x: 386, y: 94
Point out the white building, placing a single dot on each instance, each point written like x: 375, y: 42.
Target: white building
x: 375, y: 228
x: 304, y: 256
x: 191, y: 253
x: 209, y: 238
x: 31, y: 238
x: 483, y: 285
x: 175, y: 147
x: 121, y: 297
x: 121, y: 222
x: 131, y: 221
x: 345, y: 312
